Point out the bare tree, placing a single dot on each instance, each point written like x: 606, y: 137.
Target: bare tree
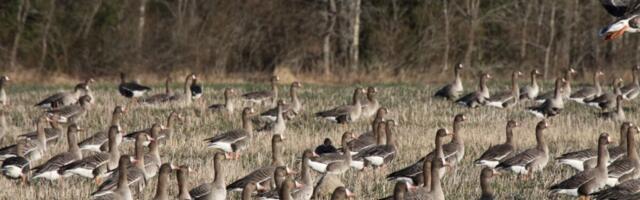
x: 447, y: 32
x: 552, y: 37
x: 21, y: 18
x: 524, y: 31
x: 472, y: 10
x: 330, y: 19
x: 355, y: 43
x: 140, y: 32
x: 45, y: 33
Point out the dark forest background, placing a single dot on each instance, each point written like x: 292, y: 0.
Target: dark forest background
x: 313, y: 37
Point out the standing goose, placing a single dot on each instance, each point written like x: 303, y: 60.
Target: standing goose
x: 229, y: 105
x: 426, y: 181
x: 87, y: 165
x: 136, y: 175
x: 17, y: 167
x: 49, y: 170
x: 607, y: 100
x: 626, y: 190
x: 435, y: 192
x: 216, y: 188
x: 4, y: 100
x: 279, y: 126
x: 34, y: 149
x: 163, y: 182
x: 263, y: 175
x: 589, y: 181
x: 632, y: 90
x: 585, y: 159
x: 73, y: 113
x: 122, y: 191
x: 289, y: 110
x: 131, y: 89
x: 279, y: 177
x: 52, y: 134
x: 368, y: 139
x: 454, y: 150
x: 411, y: 172
x: 530, y: 160
x: 237, y: 137
x: 485, y: 183
x: 381, y: 155
x: 306, y: 191
x: 495, y: 154
x: 453, y: 90
x: 628, y: 167
x: 284, y: 193
x: 531, y: 91
x: 507, y: 99
x: 615, y: 115
x: 160, y: 97
x: 261, y: 97
x: 195, y: 88
x: 551, y: 107
x: 371, y: 106
x: 97, y: 140
x: 152, y: 158
x: 400, y: 191
x: 476, y: 98
x: 566, y: 88
x: 588, y: 93
x: 182, y: 175
x: 248, y: 190
x: 64, y: 98
x: 345, y: 113
x: 327, y: 184
x: 164, y: 132
x: 342, y: 193
x: 320, y: 163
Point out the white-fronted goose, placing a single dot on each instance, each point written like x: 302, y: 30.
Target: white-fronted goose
x: 86, y: 166
x: 320, y: 163
x: 370, y: 138
x: 72, y: 113
x: 279, y: 126
x: 607, y: 100
x: 164, y: 132
x: 34, y: 149
x: 49, y: 170
x: 263, y: 175
x: 279, y: 177
x: 162, y: 187
x: 453, y: 90
x: 632, y: 90
x: 342, y: 193
x: 17, y: 167
x: 97, y: 140
x: 565, y: 93
x: 131, y: 89
x: 628, y: 167
x: 307, y: 180
x: 454, y: 150
x: 326, y: 185
x: 551, y: 107
x: 486, y: 175
x: 585, y: 159
x: 195, y: 88
x: 4, y: 100
x: 261, y: 97
x: 52, y: 134
x: 64, y: 98
x: 345, y: 113
x: 136, y: 175
x: 507, y: 99
x: 495, y: 154
x: 400, y: 191
x: 160, y: 97
x: 589, y: 181
x: 588, y: 93
x: 152, y: 159
x: 413, y: 171
x: 248, y: 190
x: 381, y: 155
x: 122, y: 191
x: 530, y: 160
x: 435, y: 192
x: 183, y: 180
x: 531, y: 91
x: 290, y: 110
x: 228, y: 106
x: 476, y: 98
x: 214, y: 189
x: 326, y: 147
x: 371, y: 105
x: 617, y: 114
x: 627, y: 190
x: 239, y: 137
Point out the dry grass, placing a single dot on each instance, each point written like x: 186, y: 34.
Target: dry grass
x: 417, y: 114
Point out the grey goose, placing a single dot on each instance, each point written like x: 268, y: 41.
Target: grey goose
x: 214, y: 190
x: 550, y: 107
x: 631, y: 90
x: 476, y: 98
x: 131, y: 89
x: 371, y: 105
x: 121, y: 191
x: 263, y: 96
x: 531, y: 91
x: 495, y: 154
x: 231, y: 142
x: 17, y: 167
x: 617, y: 114
x: 4, y: 99
x: 160, y: 97
x: 452, y: 90
x: 380, y: 155
x: 289, y: 110
x: 52, y: 134
x: 162, y: 186
x: 165, y: 132
x: 486, y: 175
x: 34, y: 149
x: 97, y: 140
x: 90, y: 166
x: 585, y: 159
x: 414, y: 171
x: 49, y: 170
x: 507, y: 99
x: 342, y: 193
x: 345, y: 113
x: 628, y: 167
x: 72, y: 113
x: 64, y: 98
x: 228, y: 106
x: 369, y: 138
x: 434, y: 192
x: 566, y: 87
x: 607, y: 100
x: 588, y: 93
x: 306, y: 190
x: 626, y: 14
x: 627, y: 190
x: 279, y: 126
x: 530, y: 160
x: 182, y: 174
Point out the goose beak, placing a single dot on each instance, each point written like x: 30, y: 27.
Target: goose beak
x: 350, y: 194
x: 411, y: 188
x: 299, y: 185
x: 496, y: 173
x: 608, y: 139
x: 314, y: 155
x: 615, y: 31
x: 291, y: 172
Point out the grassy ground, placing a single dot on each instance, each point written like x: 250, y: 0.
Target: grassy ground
x: 417, y: 114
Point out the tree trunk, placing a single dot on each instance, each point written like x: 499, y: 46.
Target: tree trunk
x: 88, y: 21
x: 140, y: 31
x: 330, y: 19
x: 355, y: 42
x: 447, y: 32
x: 45, y: 33
x: 473, y: 7
x: 552, y: 36
x: 525, y: 33
x: 21, y: 17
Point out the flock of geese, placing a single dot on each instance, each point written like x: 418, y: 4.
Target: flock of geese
x: 603, y: 172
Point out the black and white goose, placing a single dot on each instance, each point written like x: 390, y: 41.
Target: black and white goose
x: 631, y: 90
x: 131, y: 89
x: 195, y: 88
x: 476, y: 98
x: 49, y: 170
x: 17, y: 167
x: 507, y: 99
x: 627, y: 13
x: 590, y: 92
x: 345, y: 113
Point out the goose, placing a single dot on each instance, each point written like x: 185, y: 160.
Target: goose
x: 34, y: 149
x: 182, y: 174
x: 371, y: 105
x: 342, y: 193
x: 530, y: 160
x: 369, y: 138
x: 164, y: 133
x: 400, y: 191
x: 289, y: 110
x: 551, y: 107
x: 626, y: 13
x: 585, y: 159
x: 122, y: 191
x: 615, y: 115
x: 507, y: 99
x: 64, y: 98
x: 187, y: 93
x: 131, y: 89
x: 477, y: 98
x: 285, y: 191
x: 319, y: 163
x: 381, y: 155
x: 97, y: 140
x: 566, y: 88
x: 425, y: 181
x: 4, y: 100
x: 89, y: 164
x: 626, y: 190
x: 229, y: 105
x: 588, y: 93
x: 413, y: 171
x: 263, y: 175
x: 137, y: 174
x: 632, y: 90
x: 531, y: 91
x: 152, y: 158
x: 52, y: 134
x: 486, y: 175
x: 454, y: 150
x: 248, y: 190
x: 327, y: 183
x: 49, y: 170
x: 163, y: 179
x: 345, y: 113
x: 195, y: 88
x: 279, y: 126
x: 237, y: 137
x: 261, y: 97
x: 453, y: 90
x: 17, y: 167
x: 495, y: 154
x: 589, y: 181
x: 626, y: 168
x: 160, y: 97
x: 306, y: 191
x: 435, y: 191
x: 279, y: 177
x: 607, y: 100
x: 216, y: 188
x: 326, y: 147
x: 72, y: 113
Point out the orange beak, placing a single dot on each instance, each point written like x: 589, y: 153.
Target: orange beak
x: 616, y: 34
